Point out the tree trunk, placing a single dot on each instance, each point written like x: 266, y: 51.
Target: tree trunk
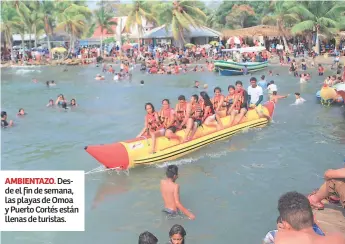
x: 101, y: 42
x: 30, y: 44
x: 23, y: 46
x: 35, y: 30
x: 48, y: 42
x: 119, y: 37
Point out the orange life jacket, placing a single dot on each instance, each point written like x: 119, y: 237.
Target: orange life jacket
x: 196, y: 112
x: 203, y: 108
x: 181, y: 112
x: 152, y: 123
x: 216, y: 101
x: 164, y: 116
x: 240, y: 100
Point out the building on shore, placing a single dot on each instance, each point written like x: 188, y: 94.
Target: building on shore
x: 199, y: 36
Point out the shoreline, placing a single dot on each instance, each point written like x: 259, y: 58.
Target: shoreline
x: 274, y: 61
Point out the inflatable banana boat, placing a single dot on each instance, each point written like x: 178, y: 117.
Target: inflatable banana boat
x: 130, y: 153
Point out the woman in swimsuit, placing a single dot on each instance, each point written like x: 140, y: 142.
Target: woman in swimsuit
x: 153, y: 126
x: 60, y: 100
x: 208, y: 113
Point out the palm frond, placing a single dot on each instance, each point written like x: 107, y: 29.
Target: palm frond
x: 307, y: 25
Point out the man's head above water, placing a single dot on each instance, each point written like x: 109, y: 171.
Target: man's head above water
x: 295, y: 211
x: 147, y: 238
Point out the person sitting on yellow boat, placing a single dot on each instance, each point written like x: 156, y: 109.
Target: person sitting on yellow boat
x: 239, y: 106
x: 255, y: 96
x: 208, y: 114
x: 153, y: 126
x: 194, y: 119
x: 229, y: 99
x: 168, y: 120
x: 218, y: 100
x: 181, y: 112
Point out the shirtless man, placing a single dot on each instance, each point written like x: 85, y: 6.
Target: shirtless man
x: 170, y: 193
x: 297, y: 223
x: 275, y: 97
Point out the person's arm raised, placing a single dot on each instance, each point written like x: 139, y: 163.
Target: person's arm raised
x: 335, y: 173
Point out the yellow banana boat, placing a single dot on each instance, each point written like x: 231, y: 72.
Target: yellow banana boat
x: 130, y: 153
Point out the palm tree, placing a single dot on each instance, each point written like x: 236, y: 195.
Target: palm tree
x: 73, y: 20
x: 140, y: 10
x: 105, y: 22
x: 322, y: 17
x: 280, y: 15
x: 46, y: 12
x: 9, y: 18
x: 180, y: 16
x: 34, y: 17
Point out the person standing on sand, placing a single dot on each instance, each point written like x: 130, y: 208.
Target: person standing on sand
x: 171, y: 193
x: 297, y: 222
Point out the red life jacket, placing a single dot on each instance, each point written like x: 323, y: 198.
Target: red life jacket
x: 164, y: 116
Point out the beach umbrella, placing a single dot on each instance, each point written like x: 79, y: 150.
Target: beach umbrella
x: 125, y: 47
x: 189, y: 45
x: 59, y: 50
x: 214, y: 43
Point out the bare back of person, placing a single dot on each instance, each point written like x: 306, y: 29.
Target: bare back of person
x: 307, y: 237
x: 168, y: 189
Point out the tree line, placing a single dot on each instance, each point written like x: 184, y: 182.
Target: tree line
x: 77, y: 20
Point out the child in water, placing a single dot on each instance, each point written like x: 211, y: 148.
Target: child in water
x: 50, y: 103
x: 275, y: 97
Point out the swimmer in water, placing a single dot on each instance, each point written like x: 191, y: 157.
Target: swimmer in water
x: 4, y: 122
x: 99, y: 77
x: 61, y: 99
x: 52, y: 83
x: 170, y: 191
x: 142, y: 82
x: 47, y: 83
x: 50, y: 103
x: 275, y: 97
x: 299, y: 99
x: 73, y: 103
x: 34, y: 80
x: 21, y: 112
x: 64, y: 105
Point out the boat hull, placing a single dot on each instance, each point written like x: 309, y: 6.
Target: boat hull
x: 229, y: 72
x: 131, y: 153
x: 238, y: 66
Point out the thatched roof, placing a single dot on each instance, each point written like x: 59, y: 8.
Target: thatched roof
x: 260, y: 30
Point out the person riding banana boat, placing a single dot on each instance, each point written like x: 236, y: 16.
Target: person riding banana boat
x: 208, y: 113
x: 218, y: 101
x: 239, y: 106
x: 229, y: 99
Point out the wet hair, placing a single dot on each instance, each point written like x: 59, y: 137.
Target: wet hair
x: 231, y: 86
x: 182, y: 97
x: 279, y: 219
x: 73, y: 100
x: 142, y: 82
x: 172, y: 170
x: 297, y: 94
x: 253, y: 79
x: 47, y: 82
x: 196, y: 97
x: 3, y: 114
x: 274, y: 92
x: 239, y: 83
x: 51, y: 100
x: 150, y: 104
x: 262, y: 77
x: 166, y: 100
x: 207, y: 100
x: 52, y: 81
x: 295, y: 209
x: 20, y: 110
x: 147, y: 238
x: 177, y: 229
x: 217, y: 88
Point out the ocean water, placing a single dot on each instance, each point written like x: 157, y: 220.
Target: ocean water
x: 231, y: 186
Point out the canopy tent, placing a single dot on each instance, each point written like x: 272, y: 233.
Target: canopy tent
x: 163, y: 32
x: 260, y: 30
x: 245, y: 49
